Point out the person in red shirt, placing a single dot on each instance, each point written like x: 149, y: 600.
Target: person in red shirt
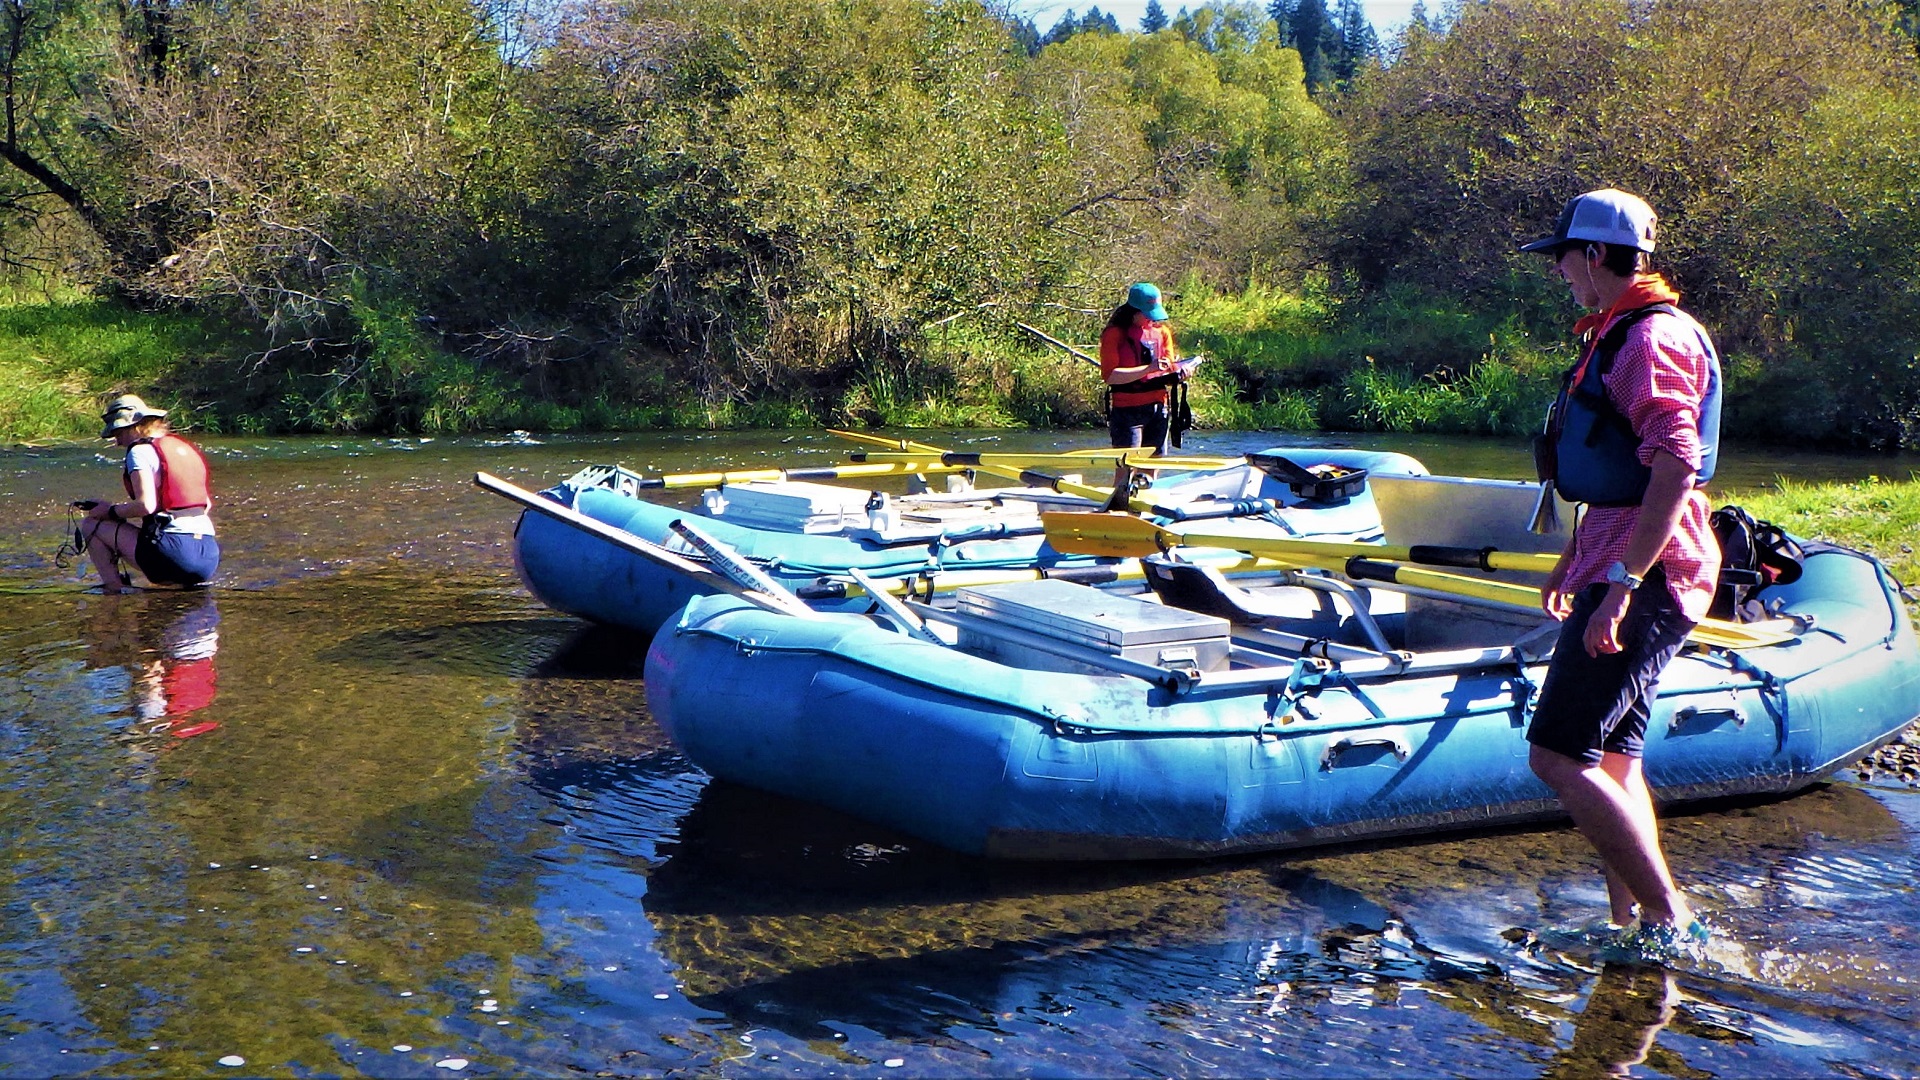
x: 1640, y: 569
x: 1139, y: 363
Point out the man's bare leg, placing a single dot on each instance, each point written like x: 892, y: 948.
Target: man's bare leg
x: 1615, y: 814
x: 1628, y: 773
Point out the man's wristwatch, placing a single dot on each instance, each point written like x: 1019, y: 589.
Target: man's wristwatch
x: 1617, y: 575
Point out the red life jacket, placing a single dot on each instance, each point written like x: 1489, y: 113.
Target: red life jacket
x: 1135, y: 347
x: 182, y: 483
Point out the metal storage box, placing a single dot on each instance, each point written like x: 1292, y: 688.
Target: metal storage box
x: 1047, y: 624
x: 794, y: 506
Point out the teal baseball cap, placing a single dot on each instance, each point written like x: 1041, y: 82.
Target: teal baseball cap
x: 1145, y: 297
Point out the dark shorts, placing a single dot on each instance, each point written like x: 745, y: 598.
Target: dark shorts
x: 1590, y: 705
x: 176, y: 558
x: 1139, y: 425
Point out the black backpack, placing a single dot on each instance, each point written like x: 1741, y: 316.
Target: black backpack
x: 1753, y: 555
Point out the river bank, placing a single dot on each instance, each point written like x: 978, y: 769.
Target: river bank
x: 1302, y: 363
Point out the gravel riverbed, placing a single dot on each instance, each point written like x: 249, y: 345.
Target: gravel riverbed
x: 1898, y: 760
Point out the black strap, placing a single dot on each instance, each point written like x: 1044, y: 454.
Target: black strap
x: 1616, y: 337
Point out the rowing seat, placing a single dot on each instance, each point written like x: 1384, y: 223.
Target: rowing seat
x: 1293, y: 608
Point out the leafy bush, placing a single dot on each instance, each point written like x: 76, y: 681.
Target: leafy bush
x: 725, y: 212
x: 1828, y: 242
x: 1777, y: 141
x: 1405, y: 360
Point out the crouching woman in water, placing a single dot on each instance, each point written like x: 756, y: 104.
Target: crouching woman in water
x: 166, y: 482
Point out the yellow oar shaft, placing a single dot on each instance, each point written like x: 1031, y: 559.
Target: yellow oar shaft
x: 901, y: 445
x: 1134, y: 459
x: 1093, y: 492
x: 833, y: 472
x: 1504, y: 592
x: 1484, y: 558
x: 1057, y: 483
x: 1122, y: 535
x: 1717, y: 632
x: 1027, y: 476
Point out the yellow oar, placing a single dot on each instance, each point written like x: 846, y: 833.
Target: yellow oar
x: 1124, y: 535
x: 1133, y: 459
x: 833, y: 472
x: 1715, y: 632
x: 931, y: 460
x: 907, y: 449
x: 1026, y: 476
x: 901, y: 445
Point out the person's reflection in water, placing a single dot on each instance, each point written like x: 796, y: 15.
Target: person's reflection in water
x: 1628, y: 1008
x: 182, y: 681
x: 169, y: 659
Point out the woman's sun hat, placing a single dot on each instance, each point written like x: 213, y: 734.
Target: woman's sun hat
x: 126, y: 411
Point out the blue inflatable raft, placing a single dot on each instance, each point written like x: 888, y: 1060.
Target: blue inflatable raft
x: 806, y: 536
x: 1060, y: 723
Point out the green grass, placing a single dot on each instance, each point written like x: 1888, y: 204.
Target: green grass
x: 1400, y: 361
x: 60, y: 358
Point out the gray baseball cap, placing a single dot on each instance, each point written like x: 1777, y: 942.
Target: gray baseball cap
x: 1607, y: 216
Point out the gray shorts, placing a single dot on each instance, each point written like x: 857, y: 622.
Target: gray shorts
x: 1594, y: 705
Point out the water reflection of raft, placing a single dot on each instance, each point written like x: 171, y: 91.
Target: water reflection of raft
x: 1180, y: 735
x: 801, y: 532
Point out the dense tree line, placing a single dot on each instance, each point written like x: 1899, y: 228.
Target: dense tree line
x: 730, y: 201
x: 1780, y: 142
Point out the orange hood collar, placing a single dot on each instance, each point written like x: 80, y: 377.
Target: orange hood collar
x: 1643, y: 291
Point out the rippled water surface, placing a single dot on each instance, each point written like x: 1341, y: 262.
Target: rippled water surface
x: 366, y: 808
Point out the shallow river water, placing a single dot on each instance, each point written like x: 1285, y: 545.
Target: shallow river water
x: 367, y: 808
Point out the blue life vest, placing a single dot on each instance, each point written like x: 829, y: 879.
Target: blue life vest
x: 1592, y: 451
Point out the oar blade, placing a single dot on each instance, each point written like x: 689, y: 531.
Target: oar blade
x: 1111, y: 534
x: 743, y: 573
x: 1753, y: 635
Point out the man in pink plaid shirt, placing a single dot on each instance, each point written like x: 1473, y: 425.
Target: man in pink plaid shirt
x: 1636, y: 433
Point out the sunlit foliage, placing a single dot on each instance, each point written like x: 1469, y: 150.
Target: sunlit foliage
x: 443, y: 214
x: 1774, y: 139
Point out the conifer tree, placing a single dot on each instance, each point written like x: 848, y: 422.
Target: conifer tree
x: 1352, y: 43
x: 1281, y: 12
x: 1154, y: 19
x: 1025, y: 35
x: 1068, y: 25
x: 1309, y: 24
